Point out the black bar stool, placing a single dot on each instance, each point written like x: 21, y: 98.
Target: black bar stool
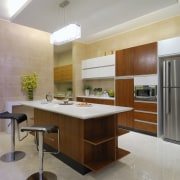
x: 19, y: 117
x: 41, y: 129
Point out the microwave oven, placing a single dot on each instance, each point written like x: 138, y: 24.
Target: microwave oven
x: 145, y: 92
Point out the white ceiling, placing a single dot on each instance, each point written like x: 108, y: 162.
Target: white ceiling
x: 98, y: 18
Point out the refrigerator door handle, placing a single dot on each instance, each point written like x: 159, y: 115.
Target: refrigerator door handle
x: 168, y: 96
x: 168, y: 73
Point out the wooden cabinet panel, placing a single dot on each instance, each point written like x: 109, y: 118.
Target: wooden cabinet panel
x: 124, y: 62
x: 125, y: 97
x: 145, y: 59
x: 125, y: 119
x: 146, y: 127
x: 137, y: 60
x: 125, y: 92
x: 99, y: 142
x: 152, y: 107
x: 145, y: 116
x: 97, y: 101
x: 63, y: 73
x: 71, y: 132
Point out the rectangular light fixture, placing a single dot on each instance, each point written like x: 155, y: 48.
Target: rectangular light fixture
x: 66, y: 34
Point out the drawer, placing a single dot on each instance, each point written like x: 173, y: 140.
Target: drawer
x: 150, y: 117
x: 147, y: 127
x: 152, y: 107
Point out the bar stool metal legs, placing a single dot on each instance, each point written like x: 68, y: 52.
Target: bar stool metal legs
x: 42, y: 175
x: 13, y: 155
x: 41, y: 129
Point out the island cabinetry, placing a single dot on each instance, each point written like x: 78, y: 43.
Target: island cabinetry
x: 99, y: 142
x: 145, y: 117
x: 125, y: 97
x: 45, y: 117
x: 97, y: 101
x: 71, y: 133
x: 63, y: 73
x: 93, y: 142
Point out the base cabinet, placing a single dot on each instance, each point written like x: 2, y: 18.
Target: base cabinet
x: 93, y: 142
x: 125, y: 119
x: 97, y: 101
x: 145, y: 117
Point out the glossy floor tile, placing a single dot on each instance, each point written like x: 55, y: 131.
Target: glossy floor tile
x: 151, y: 158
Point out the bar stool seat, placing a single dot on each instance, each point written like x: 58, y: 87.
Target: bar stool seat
x: 41, y: 129
x: 19, y: 118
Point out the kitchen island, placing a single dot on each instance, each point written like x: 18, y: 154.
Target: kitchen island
x: 88, y: 132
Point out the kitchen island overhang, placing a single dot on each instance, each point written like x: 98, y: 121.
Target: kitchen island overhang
x: 88, y: 135
x: 73, y: 109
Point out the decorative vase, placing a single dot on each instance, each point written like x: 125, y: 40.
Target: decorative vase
x: 30, y: 94
x: 86, y: 92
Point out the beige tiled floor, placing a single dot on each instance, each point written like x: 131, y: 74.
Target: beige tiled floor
x: 150, y: 159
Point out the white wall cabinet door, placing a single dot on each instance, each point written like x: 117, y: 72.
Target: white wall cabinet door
x: 100, y: 67
x: 169, y: 47
x: 103, y: 72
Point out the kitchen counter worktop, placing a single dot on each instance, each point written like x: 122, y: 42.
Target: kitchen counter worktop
x: 98, y: 97
x: 74, y: 110
x: 84, y: 131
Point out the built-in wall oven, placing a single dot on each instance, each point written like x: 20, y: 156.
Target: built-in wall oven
x: 145, y: 92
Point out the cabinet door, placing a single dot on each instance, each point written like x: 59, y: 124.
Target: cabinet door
x: 124, y: 62
x: 125, y: 119
x: 125, y: 97
x: 145, y: 59
x: 143, y: 106
x: 63, y: 73
x: 125, y: 92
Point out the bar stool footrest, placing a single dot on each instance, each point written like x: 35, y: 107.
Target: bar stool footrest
x: 46, y: 176
x: 12, y: 156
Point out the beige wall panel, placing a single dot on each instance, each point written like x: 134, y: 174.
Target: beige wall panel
x: 23, y: 50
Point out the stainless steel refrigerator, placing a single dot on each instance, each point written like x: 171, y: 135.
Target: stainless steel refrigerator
x: 171, y: 100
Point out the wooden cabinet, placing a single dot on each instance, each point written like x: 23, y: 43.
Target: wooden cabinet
x: 124, y: 62
x: 49, y: 138
x: 63, y: 73
x: 92, y: 143
x: 100, y: 143
x: 145, y: 117
x: 97, y: 101
x: 145, y: 59
x: 125, y: 97
x: 137, y: 60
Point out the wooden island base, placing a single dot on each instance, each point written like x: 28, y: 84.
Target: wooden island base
x: 85, y: 145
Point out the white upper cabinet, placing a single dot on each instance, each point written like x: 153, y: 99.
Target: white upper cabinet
x: 100, y: 67
x: 169, y: 47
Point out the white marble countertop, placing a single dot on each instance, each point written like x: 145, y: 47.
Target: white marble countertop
x: 74, y: 110
x: 98, y: 97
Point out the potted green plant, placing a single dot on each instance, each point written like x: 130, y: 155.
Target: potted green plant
x: 29, y: 83
x: 69, y: 91
x: 87, y: 89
